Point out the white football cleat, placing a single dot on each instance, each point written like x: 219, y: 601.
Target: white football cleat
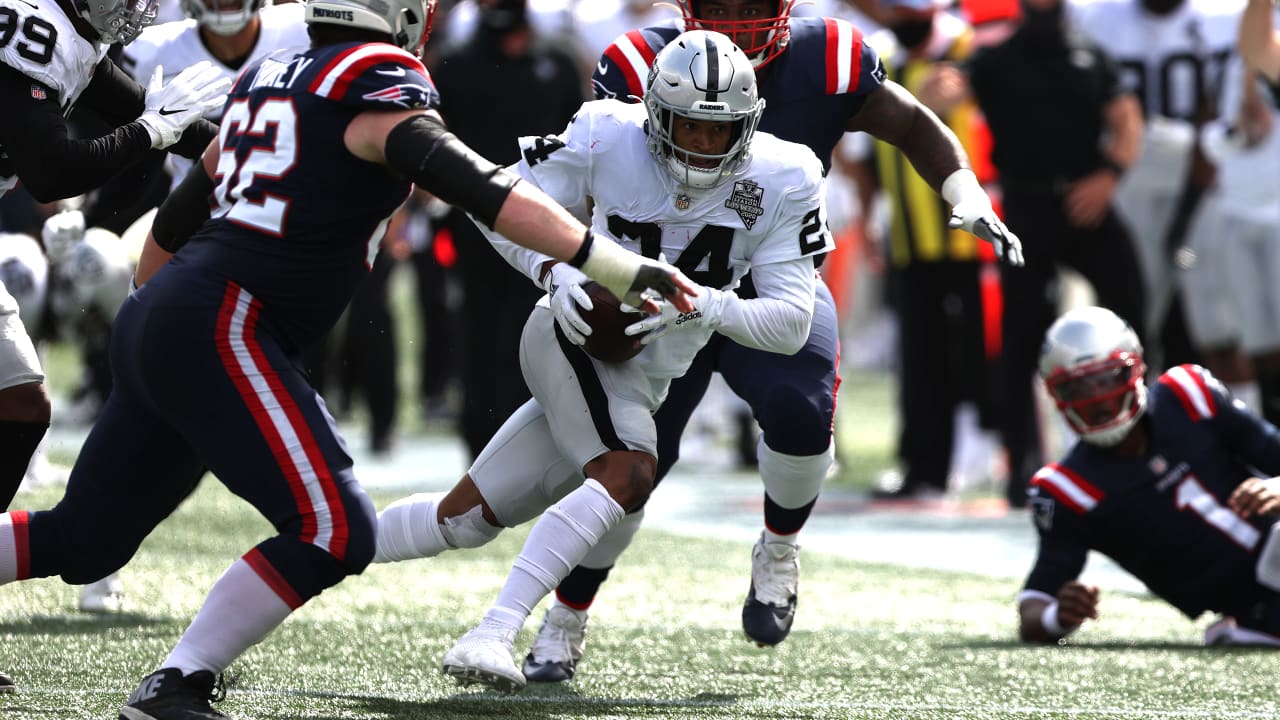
x: 558, y: 646
x: 484, y: 656
x: 104, y: 596
x: 770, y: 607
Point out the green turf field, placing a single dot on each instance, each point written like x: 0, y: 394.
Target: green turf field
x: 665, y: 642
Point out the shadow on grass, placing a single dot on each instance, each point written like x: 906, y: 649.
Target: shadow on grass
x: 1104, y: 646
x: 535, y: 702
x: 81, y: 623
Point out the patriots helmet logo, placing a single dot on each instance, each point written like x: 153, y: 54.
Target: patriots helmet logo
x: 407, y: 95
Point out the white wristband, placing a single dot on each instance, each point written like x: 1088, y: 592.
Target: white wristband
x: 1049, y: 621
x: 611, y: 265
x: 963, y: 185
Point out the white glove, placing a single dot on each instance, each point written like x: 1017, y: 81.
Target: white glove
x: 61, y: 233
x: 971, y: 211
x: 706, y: 313
x: 172, y: 108
x: 564, y: 282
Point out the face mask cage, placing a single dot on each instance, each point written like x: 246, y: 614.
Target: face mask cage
x: 1102, y: 399
x: 761, y: 39
x: 120, y: 22
x: 686, y: 165
x: 220, y: 20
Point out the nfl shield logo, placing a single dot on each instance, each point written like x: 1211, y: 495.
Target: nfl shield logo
x: 682, y: 202
x: 38, y: 92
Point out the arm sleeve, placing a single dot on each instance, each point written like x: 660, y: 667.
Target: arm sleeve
x: 779, y: 319
x: 1059, y: 560
x: 51, y: 164
x: 194, y: 140
x: 113, y: 95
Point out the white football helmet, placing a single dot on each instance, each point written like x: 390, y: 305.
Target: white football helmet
x: 118, y: 21
x: 408, y: 22
x: 762, y: 39
x: 221, y: 18
x: 93, y: 281
x: 24, y: 272
x: 1091, y: 363
x: 701, y: 75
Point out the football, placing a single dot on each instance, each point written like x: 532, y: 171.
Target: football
x: 607, y: 341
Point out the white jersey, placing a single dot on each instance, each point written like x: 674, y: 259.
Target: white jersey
x: 177, y: 45
x: 1174, y: 63
x: 24, y: 272
x: 769, y: 217
x: 45, y: 47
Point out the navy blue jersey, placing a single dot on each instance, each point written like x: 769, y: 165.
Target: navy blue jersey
x: 1163, y: 516
x: 296, y: 218
x: 810, y: 90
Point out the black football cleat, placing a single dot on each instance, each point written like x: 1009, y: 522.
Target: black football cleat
x: 770, y: 607
x: 169, y: 695
x: 6, y: 684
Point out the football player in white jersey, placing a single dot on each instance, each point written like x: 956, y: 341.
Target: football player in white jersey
x: 1173, y: 54
x: 698, y: 185
x: 227, y: 35
x: 1245, y: 145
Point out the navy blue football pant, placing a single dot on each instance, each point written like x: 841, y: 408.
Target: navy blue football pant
x: 201, y: 382
x: 793, y: 397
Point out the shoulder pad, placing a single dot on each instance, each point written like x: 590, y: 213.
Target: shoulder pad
x: 623, y: 68
x: 373, y: 76
x: 1195, y: 389
x: 1067, y: 487
x: 850, y: 64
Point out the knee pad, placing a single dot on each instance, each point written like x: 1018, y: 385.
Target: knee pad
x: 793, y: 481
x: 407, y: 529
x: 610, y: 547
x: 797, y: 421
x: 469, y: 530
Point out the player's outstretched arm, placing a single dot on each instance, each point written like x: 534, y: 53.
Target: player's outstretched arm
x: 419, y: 146
x: 892, y: 114
x: 1045, y: 620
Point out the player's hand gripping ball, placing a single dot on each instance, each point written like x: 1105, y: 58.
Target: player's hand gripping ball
x: 607, y: 318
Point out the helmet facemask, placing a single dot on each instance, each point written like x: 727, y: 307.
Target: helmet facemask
x: 1101, y: 399
x: 1092, y: 366
x: 761, y: 39
x: 221, y: 19
x: 701, y: 76
x: 118, y: 21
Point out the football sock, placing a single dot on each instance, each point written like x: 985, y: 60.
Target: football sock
x: 18, y: 441
x: 791, y: 485
x: 240, y: 611
x: 578, y: 590
x: 559, y: 540
x: 408, y: 529
x: 13, y: 533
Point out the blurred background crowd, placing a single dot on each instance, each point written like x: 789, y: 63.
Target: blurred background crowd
x: 1176, y: 239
